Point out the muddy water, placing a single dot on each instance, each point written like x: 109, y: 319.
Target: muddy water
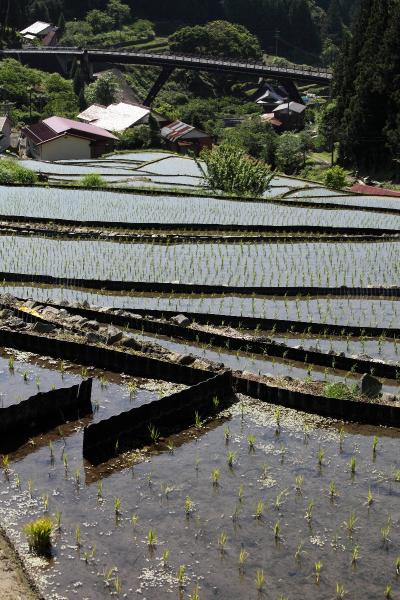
x: 155, y: 490
x: 361, y: 312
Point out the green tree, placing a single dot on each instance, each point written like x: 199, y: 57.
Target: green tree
x: 77, y: 33
x: 217, y: 38
x: 118, y: 11
x: 255, y: 137
x: 289, y: 153
x: 105, y: 90
x: 335, y: 178
x: 99, y: 21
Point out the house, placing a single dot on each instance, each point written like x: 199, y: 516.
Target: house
x: 5, y: 133
x: 271, y: 119
x: 40, y: 31
x: 271, y: 98
x: 181, y: 137
x: 118, y: 117
x: 57, y: 138
x: 291, y: 114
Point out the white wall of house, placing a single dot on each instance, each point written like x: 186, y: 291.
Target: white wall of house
x: 63, y: 148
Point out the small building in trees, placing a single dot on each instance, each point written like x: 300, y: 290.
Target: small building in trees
x: 119, y: 117
x: 45, y: 33
x: 57, y: 138
x: 291, y: 114
x: 184, y: 138
x: 5, y: 133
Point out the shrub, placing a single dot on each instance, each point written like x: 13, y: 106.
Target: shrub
x: 38, y: 534
x: 335, y: 178
x: 135, y: 138
x: 12, y: 172
x: 290, y: 153
x: 93, y: 180
x: 340, y: 390
x: 231, y: 170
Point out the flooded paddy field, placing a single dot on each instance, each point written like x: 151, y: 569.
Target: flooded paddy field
x: 262, y: 499
x: 302, y: 264
x: 360, y: 312
x: 85, y: 205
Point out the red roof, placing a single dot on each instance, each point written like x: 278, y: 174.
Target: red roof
x: 371, y: 190
x: 63, y: 125
x: 271, y: 118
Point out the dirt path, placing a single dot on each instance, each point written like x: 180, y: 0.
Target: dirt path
x: 14, y: 584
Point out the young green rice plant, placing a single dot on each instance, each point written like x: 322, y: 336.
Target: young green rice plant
x: 154, y: 433
x: 17, y: 481
x: 355, y: 555
x: 45, y: 500
x: 280, y: 498
x: 216, y: 402
x: 241, y: 492
x: 277, y: 531
x: 230, y: 458
x: 298, y: 484
x: 38, y: 534
x: 30, y: 487
x: 132, y: 387
x: 5, y: 463
x: 332, y: 490
x: 375, y: 444
x: 317, y: 571
x: 198, y: 423
x: 11, y: 364
x: 65, y: 462
x: 278, y: 414
x: 243, y: 556
x: 388, y: 591
x: 370, y: 498
x: 341, y: 438
x: 165, y: 557
x: 77, y: 477
x: 320, y: 456
x: 340, y: 591
x: 260, y: 579
x: 351, y: 522
x: 227, y: 434
x: 353, y: 465
x: 222, y: 539
x: 299, y: 552
x: 259, y: 510
x: 385, y: 533
x: 396, y: 475
x: 195, y: 595
x: 251, y: 440
x: 117, y: 506
x: 215, y: 476
x: 134, y: 520
x: 309, y: 511
x: 78, y: 536
x: 180, y: 576
x: 171, y: 447
x: 100, y: 490
x: 117, y: 585
x: 151, y: 538
x: 58, y: 516
x: 188, y: 506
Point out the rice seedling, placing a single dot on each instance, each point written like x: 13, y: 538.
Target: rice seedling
x: 78, y: 536
x: 388, y: 591
x: 198, y: 423
x: 154, y: 433
x: 397, y: 566
x: 17, y: 481
x: 280, y: 499
x: 45, y: 500
x: 230, y: 458
x: 171, y: 447
x: 38, y: 534
x: 58, y: 516
x: 215, y: 476
x: 375, y: 444
x: 251, y: 440
x: 320, y: 456
x: 317, y: 571
x: 227, y: 434
x: 309, y: 511
x: 355, y: 554
x: 117, y: 585
x: 243, y: 556
x: 298, y: 484
x: 195, y: 595
x: 30, y: 487
x: 277, y: 531
x: 241, y: 492
x: 11, y: 361
x: 340, y: 591
x: 259, y: 510
x: 385, y: 533
x: 332, y: 490
x: 277, y: 415
x: 77, y: 477
x: 370, y: 498
x: 134, y: 520
x: 351, y: 522
x: 299, y: 552
x: 352, y: 465
x: 396, y: 475
x: 222, y: 539
x: 180, y: 576
x: 117, y: 506
x: 216, y: 402
x: 99, y: 490
x: 260, y: 579
x: 151, y: 538
x: 188, y: 506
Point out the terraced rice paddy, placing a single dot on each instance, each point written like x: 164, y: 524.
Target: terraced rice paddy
x: 253, y: 501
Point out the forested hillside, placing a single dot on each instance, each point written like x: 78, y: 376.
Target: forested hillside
x: 302, y: 30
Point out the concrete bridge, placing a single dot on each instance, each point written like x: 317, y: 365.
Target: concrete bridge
x: 62, y: 58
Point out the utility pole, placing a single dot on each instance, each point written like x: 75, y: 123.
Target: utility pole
x: 277, y: 34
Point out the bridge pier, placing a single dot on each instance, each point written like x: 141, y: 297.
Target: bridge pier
x: 162, y: 79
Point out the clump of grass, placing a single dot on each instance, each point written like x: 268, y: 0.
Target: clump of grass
x: 38, y: 534
x: 317, y: 571
x: 353, y: 465
x: 260, y: 579
x: 151, y: 538
x: 340, y: 390
x: 215, y: 475
x: 12, y: 172
x: 93, y: 180
x: 340, y: 591
x: 320, y: 456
